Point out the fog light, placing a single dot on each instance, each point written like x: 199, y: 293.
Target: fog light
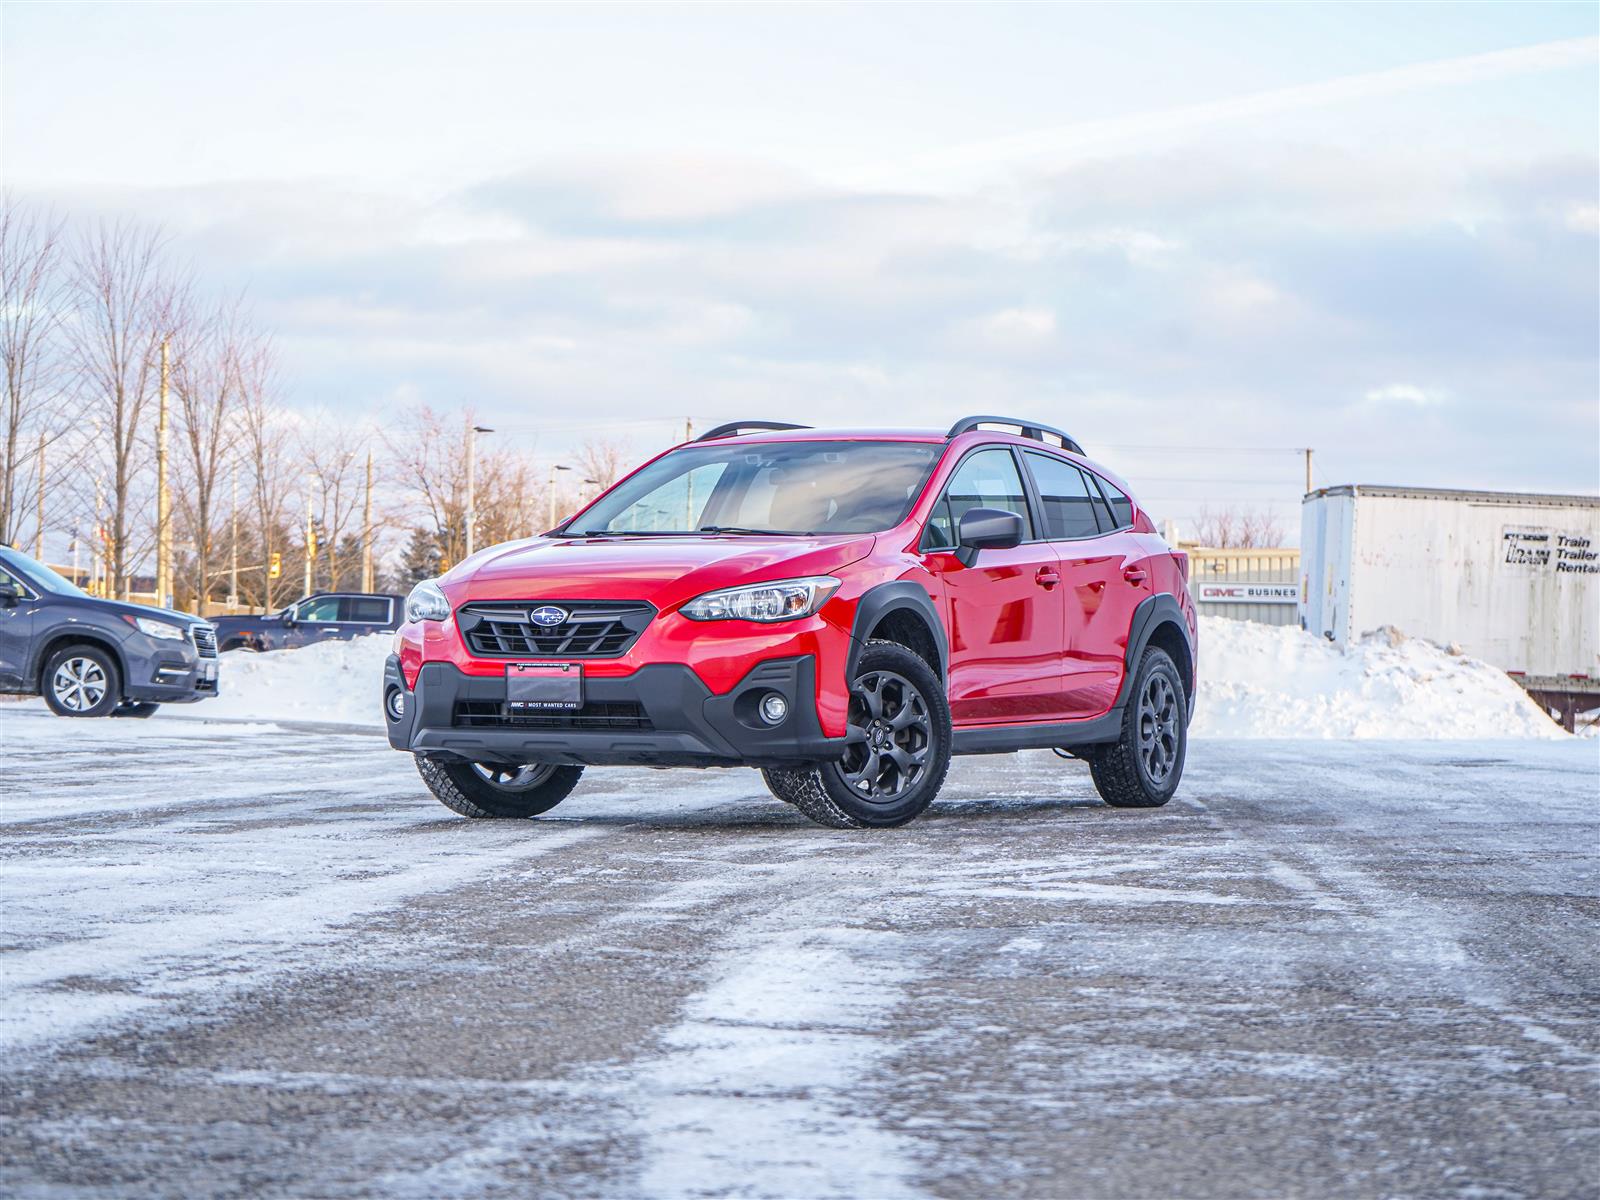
x: 395, y: 704
x: 774, y: 708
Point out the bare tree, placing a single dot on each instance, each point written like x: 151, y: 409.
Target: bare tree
x: 265, y: 439
x: 428, y: 459
x: 31, y: 308
x: 335, y: 456
x: 1238, y: 529
x: 206, y: 380
x: 125, y: 305
x: 603, y: 461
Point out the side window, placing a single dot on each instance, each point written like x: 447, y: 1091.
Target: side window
x: 1071, y: 507
x: 322, y: 608
x: 7, y: 577
x: 1121, y: 506
x: 986, y: 479
x: 367, y: 610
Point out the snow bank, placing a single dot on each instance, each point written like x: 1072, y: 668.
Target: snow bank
x: 1255, y: 681
x: 1279, y: 681
x: 341, y: 682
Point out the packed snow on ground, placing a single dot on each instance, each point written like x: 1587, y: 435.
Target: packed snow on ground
x: 341, y: 682
x: 1256, y: 681
x: 1279, y: 681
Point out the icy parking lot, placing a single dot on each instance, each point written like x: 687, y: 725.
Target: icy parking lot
x: 251, y: 960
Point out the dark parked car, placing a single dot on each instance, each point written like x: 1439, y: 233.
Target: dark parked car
x: 96, y: 658
x: 324, y: 617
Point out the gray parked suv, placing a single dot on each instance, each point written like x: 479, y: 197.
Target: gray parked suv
x: 96, y: 658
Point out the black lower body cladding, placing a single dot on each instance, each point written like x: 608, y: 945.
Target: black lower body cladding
x: 661, y: 715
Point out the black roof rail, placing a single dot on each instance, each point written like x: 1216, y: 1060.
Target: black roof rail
x: 1030, y: 429
x: 735, y: 428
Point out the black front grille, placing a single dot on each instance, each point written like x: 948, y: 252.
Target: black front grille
x: 596, y: 714
x: 205, y: 640
x: 593, y: 628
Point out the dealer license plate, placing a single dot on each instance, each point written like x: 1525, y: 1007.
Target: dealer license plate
x: 544, y: 686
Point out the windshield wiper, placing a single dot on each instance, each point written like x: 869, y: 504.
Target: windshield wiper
x: 616, y: 533
x: 745, y: 529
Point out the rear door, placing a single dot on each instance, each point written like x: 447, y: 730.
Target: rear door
x: 1101, y: 583
x: 362, y: 615
x: 1005, y: 612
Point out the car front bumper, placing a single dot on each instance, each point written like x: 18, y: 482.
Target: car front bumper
x: 170, y: 675
x: 660, y: 715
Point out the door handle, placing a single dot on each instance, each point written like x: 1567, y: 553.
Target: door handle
x: 1135, y: 575
x: 1047, y: 577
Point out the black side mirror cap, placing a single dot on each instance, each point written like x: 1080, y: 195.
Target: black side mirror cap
x: 8, y: 595
x: 987, y: 529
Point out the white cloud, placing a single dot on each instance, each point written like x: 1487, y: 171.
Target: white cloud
x: 1406, y: 393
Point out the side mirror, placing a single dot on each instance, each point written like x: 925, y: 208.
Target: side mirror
x: 9, y: 595
x: 288, y: 617
x: 987, y: 529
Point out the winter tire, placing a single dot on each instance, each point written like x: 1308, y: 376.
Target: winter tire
x: 497, y: 789
x: 1142, y: 768
x: 81, y: 681
x: 896, y: 753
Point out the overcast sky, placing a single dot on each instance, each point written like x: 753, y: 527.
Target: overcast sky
x: 1373, y: 230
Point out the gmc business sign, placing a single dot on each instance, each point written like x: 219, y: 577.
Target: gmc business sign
x: 1248, y: 593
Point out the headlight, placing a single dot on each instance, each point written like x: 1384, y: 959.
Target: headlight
x: 164, y: 630
x: 427, y: 603
x: 781, y: 601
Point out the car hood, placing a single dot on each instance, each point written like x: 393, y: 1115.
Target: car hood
x: 241, y: 623
x: 666, y: 571
x: 119, y: 608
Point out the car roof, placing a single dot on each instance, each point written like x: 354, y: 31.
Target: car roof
x: 831, y: 435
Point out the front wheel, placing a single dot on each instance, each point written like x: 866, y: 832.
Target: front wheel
x: 497, y: 789
x: 1141, y: 769
x: 897, y: 747
x: 82, y: 681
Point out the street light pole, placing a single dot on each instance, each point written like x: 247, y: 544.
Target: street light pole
x: 472, y: 497
x: 554, y: 467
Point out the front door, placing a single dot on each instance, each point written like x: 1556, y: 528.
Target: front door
x: 316, y: 620
x: 1005, y: 613
x: 1099, y: 592
x: 16, y: 633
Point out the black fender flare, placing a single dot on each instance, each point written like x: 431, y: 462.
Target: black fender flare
x: 44, y: 644
x: 878, y: 602
x: 1154, y: 612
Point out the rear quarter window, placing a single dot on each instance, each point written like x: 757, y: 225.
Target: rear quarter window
x: 1121, y: 506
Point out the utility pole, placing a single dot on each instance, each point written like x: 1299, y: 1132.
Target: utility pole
x: 233, y: 565
x: 311, y: 544
x: 163, y: 497
x: 366, y: 532
x: 554, y: 467
x: 472, y: 493
x: 38, y: 537
x: 1307, y: 453
x: 688, y: 499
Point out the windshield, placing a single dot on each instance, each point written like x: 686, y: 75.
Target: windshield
x: 776, y: 487
x: 39, y: 575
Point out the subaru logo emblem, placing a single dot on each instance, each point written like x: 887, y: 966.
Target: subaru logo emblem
x: 547, y: 615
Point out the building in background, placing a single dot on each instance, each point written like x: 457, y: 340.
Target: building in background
x: 1509, y: 577
x: 1261, y: 585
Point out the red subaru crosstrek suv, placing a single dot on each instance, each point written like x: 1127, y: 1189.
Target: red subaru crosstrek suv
x: 842, y: 609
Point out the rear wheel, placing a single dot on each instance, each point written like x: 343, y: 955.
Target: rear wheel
x: 81, y: 681
x: 497, y: 789
x: 897, y: 747
x: 1142, y: 768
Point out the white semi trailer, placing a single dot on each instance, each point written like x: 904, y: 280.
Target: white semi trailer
x: 1511, y: 578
